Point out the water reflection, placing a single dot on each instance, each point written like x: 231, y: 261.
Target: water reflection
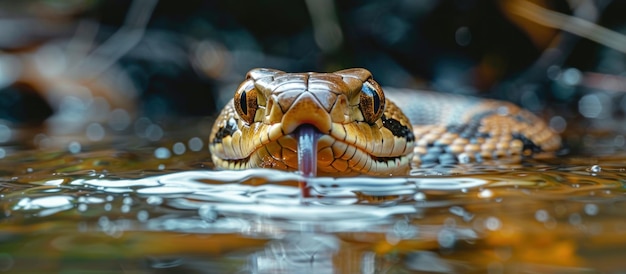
x: 538, y: 215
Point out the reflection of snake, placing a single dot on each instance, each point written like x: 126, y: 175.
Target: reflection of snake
x: 362, y: 131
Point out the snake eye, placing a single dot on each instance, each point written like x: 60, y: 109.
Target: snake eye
x: 246, y: 101
x: 372, y: 101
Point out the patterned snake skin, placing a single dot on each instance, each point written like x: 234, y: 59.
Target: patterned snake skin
x: 364, y: 130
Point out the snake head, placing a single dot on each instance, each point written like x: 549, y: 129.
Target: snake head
x: 348, y: 109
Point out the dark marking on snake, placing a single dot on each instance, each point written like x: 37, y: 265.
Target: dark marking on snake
x: 468, y: 131
x: 397, y: 129
x: 226, y: 130
x: 439, y: 154
x: 528, y: 144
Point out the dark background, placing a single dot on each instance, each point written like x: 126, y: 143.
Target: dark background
x: 184, y: 58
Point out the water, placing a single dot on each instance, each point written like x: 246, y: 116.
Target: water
x: 133, y: 205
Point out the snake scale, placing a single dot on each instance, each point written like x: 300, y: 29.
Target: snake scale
x: 365, y: 130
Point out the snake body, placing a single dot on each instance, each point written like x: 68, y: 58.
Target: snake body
x: 362, y: 130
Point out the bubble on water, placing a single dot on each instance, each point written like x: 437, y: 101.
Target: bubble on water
x: 575, y: 219
x: 82, y: 207
x: 419, y: 196
x: 5, y: 133
x: 446, y: 238
x: 179, y: 148
x: 104, y: 222
x: 404, y: 230
x: 127, y: 201
x: 125, y: 208
x: 161, y: 167
x: 195, y: 144
x: 154, y: 200
x: 143, y: 216
x: 542, y: 215
x: 493, y: 223
x: 108, y: 207
x: 95, y: 132
x: 591, y: 209
x: 162, y: 153
x: 595, y: 168
x: 29, y: 169
x: 110, y: 198
x: 485, y: 194
x: 208, y: 213
x: 74, y: 147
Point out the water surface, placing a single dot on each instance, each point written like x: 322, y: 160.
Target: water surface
x: 131, y: 205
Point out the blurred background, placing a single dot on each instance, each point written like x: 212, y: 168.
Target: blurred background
x: 95, y: 66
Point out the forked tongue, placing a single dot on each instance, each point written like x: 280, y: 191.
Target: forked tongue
x: 307, y: 155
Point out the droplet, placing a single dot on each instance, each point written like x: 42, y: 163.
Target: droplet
x: 591, y: 209
x: 154, y: 200
x: 195, y: 144
x: 420, y: 196
x: 463, y: 36
x: 141, y: 125
x: 179, y: 148
x: 558, y: 123
x: 162, y: 153
x: 82, y: 207
x: 485, y: 194
x: 594, y: 105
x: 571, y: 76
x: 119, y: 119
x: 493, y: 223
x: 553, y: 72
x: 446, y: 238
x: 575, y: 219
x: 5, y: 133
x: 595, y: 169
x: 143, y: 216
x: 74, y: 147
x: 95, y: 132
x: 127, y: 201
x: 154, y: 132
x: 541, y: 215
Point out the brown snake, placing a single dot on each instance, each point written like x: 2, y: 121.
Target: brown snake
x: 361, y: 131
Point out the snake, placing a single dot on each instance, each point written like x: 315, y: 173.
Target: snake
x: 363, y: 129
